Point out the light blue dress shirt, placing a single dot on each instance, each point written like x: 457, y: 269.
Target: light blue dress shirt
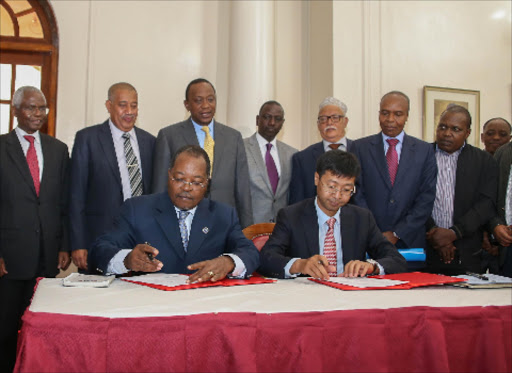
x: 201, y: 135
x: 398, y: 146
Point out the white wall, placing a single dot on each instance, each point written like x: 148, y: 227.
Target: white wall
x: 255, y: 51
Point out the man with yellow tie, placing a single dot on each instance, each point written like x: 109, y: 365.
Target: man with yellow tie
x: 224, y: 145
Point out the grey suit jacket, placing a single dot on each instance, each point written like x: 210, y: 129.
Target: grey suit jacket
x: 265, y: 203
x: 230, y: 177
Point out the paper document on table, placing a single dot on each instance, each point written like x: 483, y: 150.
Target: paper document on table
x: 365, y: 282
x: 163, y: 279
x: 487, y: 280
x: 88, y: 281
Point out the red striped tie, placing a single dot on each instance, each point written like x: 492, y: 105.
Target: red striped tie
x: 330, y: 245
x: 392, y: 159
x: 33, y: 164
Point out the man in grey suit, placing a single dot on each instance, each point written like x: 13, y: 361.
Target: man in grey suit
x: 270, y: 164
x: 224, y: 145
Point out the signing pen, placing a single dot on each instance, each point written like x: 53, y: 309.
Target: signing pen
x: 150, y: 255
x: 477, y: 275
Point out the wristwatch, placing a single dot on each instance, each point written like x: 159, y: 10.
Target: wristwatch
x: 375, y: 266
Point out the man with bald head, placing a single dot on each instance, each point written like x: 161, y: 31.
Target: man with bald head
x: 332, y: 123
x: 398, y: 175
x: 33, y: 196
x: 111, y: 162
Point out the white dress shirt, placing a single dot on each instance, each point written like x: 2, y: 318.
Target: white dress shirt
x: 273, y: 151
x: 37, y: 144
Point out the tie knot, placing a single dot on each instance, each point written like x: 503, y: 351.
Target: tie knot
x: 126, y: 136
x: 392, y: 142
x: 206, y: 129
x: 334, y: 146
x: 269, y: 146
x: 184, y: 214
x: 30, y: 139
x: 331, y: 223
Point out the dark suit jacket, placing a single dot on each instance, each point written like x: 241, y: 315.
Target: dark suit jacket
x: 504, y: 158
x: 230, y: 177
x: 404, y: 207
x: 295, y: 235
x: 27, y: 220
x: 302, y: 184
x: 215, y: 230
x: 96, y: 193
x: 474, y: 205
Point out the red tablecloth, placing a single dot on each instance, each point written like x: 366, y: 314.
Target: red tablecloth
x: 412, y: 339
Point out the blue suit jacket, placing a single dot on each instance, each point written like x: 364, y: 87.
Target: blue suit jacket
x: 404, y: 207
x: 296, y: 236
x: 96, y: 193
x: 215, y: 230
x: 302, y: 184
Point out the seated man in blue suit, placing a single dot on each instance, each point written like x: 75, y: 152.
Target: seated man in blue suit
x: 184, y: 230
x: 324, y: 236
x: 398, y: 176
x: 332, y: 123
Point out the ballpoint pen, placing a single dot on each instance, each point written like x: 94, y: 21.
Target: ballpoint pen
x: 477, y: 275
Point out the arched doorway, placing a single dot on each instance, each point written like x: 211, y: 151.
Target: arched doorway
x: 28, y: 56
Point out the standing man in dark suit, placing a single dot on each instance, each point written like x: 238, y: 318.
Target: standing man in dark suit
x: 33, y: 196
x: 332, y: 123
x: 501, y: 223
x: 324, y: 236
x: 224, y: 146
x: 398, y: 176
x: 187, y: 232
x: 270, y: 164
x: 111, y: 162
x: 496, y: 132
x: 465, y: 197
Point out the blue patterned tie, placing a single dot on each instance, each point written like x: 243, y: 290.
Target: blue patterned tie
x: 183, y: 228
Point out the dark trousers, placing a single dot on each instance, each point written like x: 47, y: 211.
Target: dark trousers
x: 506, y: 262
x: 15, y: 297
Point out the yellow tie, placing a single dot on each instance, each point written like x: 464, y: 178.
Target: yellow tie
x: 209, y: 144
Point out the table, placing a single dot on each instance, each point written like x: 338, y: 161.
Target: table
x: 291, y: 325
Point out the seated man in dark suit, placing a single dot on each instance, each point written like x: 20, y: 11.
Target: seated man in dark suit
x: 185, y: 230
x: 324, y: 236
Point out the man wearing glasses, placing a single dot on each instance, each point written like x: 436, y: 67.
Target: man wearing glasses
x: 270, y: 164
x: 398, y: 176
x: 324, y: 236
x: 178, y: 231
x: 332, y: 123
x: 33, y: 196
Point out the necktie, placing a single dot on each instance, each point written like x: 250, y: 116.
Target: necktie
x: 392, y: 159
x: 334, y: 146
x: 133, y: 167
x: 330, y: 245
x: 209, y: 145
x: 183, y: 228
x: 273, y: 176
x: 33, y: 164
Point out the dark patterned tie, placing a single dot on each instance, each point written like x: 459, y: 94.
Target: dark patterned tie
x: 334, y: 146
x: 133, y: 167
x: 183, y: 228
x: 273, y: 176
x: 392, y: 159
x: 330, y: 245
x: 33, y: 164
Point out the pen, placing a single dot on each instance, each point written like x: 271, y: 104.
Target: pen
x: 477, y: 275
x: 150, y: 255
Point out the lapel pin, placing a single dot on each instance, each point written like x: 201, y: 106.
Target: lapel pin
x: 205, y: 230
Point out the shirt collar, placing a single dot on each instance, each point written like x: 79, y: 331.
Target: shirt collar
x: 455, y: 153
x: 210, y: 125
x: 191, y: 211
x: 323, y: 217
x: 342, y: 141
x: 117, y: 133
x: 400, y: 137
x: 22, y: 133
x: 263, y: 142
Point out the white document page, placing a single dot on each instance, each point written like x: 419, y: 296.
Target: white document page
x: 365, y: 282
x: 165, y: 279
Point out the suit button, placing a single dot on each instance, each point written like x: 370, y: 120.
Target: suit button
x: 37, y: 231
x: 392, y: 200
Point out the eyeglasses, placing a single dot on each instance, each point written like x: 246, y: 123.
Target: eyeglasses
x: 195, y: 185
x: 268, y: 118
x: 322, y: 119
x: 32, y: 109
x: 345, y: 191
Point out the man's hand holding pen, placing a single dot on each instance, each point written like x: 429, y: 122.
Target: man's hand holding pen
x: 142, y: 259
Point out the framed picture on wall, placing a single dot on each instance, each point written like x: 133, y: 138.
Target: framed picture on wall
x: 435, y: 101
